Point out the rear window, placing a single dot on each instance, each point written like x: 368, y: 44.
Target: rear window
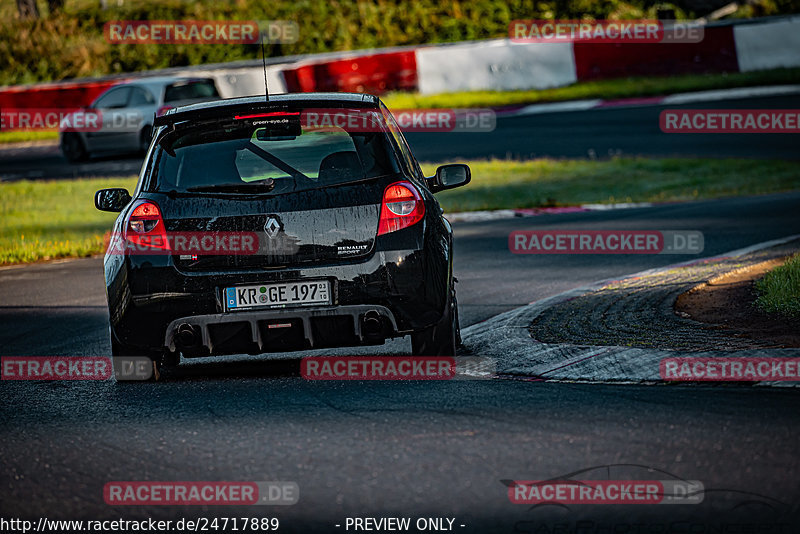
x: 245, y: 156
x: 190, y: 90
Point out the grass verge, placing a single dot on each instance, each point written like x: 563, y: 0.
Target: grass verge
x: 605, y: 89
x: 21, y: 136
x: 52, y: 219
x: 779, y: 290
x: 545, y: 182
x: 41, y: 220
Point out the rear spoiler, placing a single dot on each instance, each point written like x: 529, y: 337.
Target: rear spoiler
x: 220, y: 109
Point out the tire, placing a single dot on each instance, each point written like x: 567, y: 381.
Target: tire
x: 441, y: 339
x: 458, y: 324
x: 120, y: 349
x: 144, y: 140
x: 73, y: 148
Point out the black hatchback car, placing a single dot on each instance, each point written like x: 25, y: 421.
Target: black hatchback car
x: 254, y: 229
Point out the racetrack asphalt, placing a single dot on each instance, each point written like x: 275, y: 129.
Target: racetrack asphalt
x: 401, y: 448
x: 595, y: 133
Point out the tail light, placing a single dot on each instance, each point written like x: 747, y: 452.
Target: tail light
x: 402, y: 206
x: 162, y: 110
x: 145, y: 227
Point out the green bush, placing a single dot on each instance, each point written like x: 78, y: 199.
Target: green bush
x: 71, y: 43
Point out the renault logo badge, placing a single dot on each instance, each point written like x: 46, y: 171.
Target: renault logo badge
x: 272, y: 227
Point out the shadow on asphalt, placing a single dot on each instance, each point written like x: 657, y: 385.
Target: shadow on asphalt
x: 212, y: 370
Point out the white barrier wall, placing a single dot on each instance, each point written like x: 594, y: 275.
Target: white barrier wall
x: 768, y: 45
x: 243, y: 81
x: 495, y: 65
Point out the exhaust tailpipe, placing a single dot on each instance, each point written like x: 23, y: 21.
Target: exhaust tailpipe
x: 371, y: 324
x: 185, y: 336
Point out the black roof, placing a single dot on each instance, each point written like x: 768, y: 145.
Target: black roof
x: 216, y: 108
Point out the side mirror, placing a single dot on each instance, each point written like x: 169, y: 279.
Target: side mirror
x: 450, y: 176
x: 113, y: 199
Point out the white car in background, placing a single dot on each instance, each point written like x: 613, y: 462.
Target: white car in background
x: 127, y: 111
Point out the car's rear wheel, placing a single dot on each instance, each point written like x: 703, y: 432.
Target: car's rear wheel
x: 443, y: 338
x: 73, y: 148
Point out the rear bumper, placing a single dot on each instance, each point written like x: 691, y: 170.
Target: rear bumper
x: 148, y: 298
x: 280, y: 330
x: 405, y: 281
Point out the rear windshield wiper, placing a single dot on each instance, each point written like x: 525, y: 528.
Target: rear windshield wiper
x: 253, y: 187
x: 275, y: 161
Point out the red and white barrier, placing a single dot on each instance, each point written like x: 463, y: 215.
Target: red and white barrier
x: 54, y: 95
x: 501, y: 64
x: 715, y: 53
x: 375, y: 73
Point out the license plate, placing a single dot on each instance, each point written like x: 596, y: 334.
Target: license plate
x: 278, y: 295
